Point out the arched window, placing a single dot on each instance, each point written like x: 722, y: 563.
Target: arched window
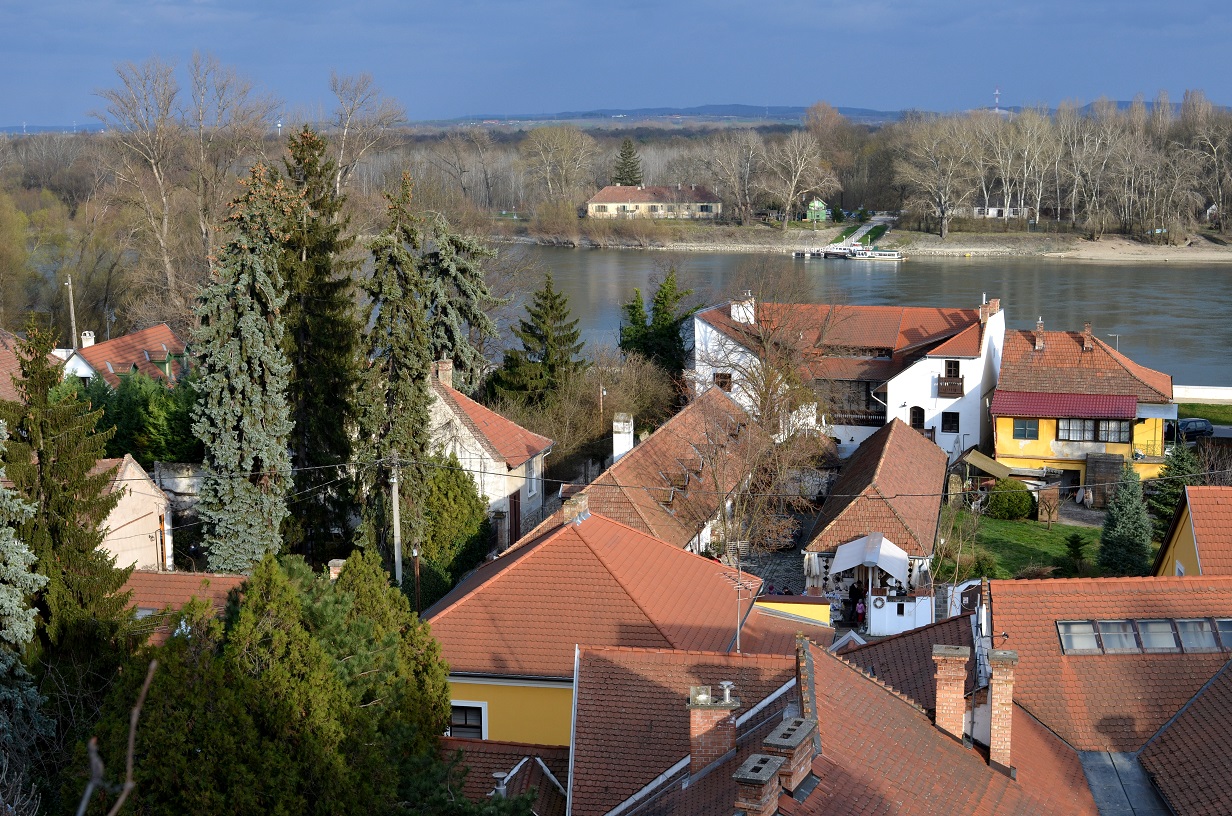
x: 917, y: 417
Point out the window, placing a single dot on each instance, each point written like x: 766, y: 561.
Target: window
x: 1197, y: 635
x: 705, y: 208
x: 654, y: 208
x: 1118, y: 636
x: 1026, y: 429
x: 723, y: 379
x: 1077, y: 636
x: 601, y: 208
x: 917, y: 417
x: 951, y: 369
x: 466, y: 721
x: 1225, y: 632
x: 533, y: 474
x: 1157, y: 634
x: 949, y: 422
x: 1114, y: 430
x: 1076, y: 430
x: 1180, y: 570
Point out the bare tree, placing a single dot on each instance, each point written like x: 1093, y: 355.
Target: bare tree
x: 935, y: 160
x: 561, y: 158
x: 364, y: 120
x: 733, y: 159
x: 794, y: 167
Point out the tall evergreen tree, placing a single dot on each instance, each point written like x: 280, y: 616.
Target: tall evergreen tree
x: 457, y: 298
x: 550, y: 349
x: 659, y: 337
x: 51, y: 457
x: 1125, y: 542
x: 628, y: 169
x: 243, y: 418
x: 320, y: 342
x: 1181, y: 468
x: 392, y: 408
x: 18, y: 582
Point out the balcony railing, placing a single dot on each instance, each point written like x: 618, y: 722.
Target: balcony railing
x: 931, y: 433
x: 949, y: 386
x: 870, y: 419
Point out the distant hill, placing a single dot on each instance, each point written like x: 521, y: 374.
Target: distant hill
x: 80, y: 127
x: 707, y: 113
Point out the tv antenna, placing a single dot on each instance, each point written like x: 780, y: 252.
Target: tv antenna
x: 996, y: 97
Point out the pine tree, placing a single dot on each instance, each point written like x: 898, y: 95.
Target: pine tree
x: 457, y: 298
x: 456, y: 536
x: 51, y: 457
x: 17, y: 580
x: 1181, y: 468
x: 658, y: 337
x: 392, y: 408
x: 1125, y: 542
x: 320, y: 342
x: 550, y: 349
x: 628, y: 169
x: 243, y: 418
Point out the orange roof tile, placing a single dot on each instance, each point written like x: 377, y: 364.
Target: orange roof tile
x: 10, y: 366
x: 905, y: 661
x: 964, y: 344
x: 154, y: 592
x: 504, y: 438
x: 892, y: 485
x: 767, y: 631
x: 597, y: 582
x: 1063, y: 367
x: 1190, y: 760
x: 139, y: 350
x: 1210, y: 511
x: 680, y: 194
x: 1105, y: 702
x: 543, y: 767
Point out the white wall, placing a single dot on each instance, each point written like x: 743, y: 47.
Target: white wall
x: 917, y: 612
x: 76, y: 366
x: 138, y: 530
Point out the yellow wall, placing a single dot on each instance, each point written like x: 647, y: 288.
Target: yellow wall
x: 819, y: 612
x: 534, y: 714
x: 1048, y: 452
x: 1180, y: 547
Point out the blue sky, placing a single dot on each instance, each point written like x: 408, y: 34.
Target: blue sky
x: 464, y: 57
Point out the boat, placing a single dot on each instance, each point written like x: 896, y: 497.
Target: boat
x: 861, y: 254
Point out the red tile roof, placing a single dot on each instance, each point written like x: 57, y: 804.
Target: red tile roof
x: 680, y: 194
x: 905, y: 662
x: 892, y: 485
x: 10, y: 366
x: 544, y: 767
x: 964, y: 344
x: 1190, y: 760
x: 1210, y: 511
x: 632, y: 721
x: 1088, y: 406
x: 154, y: 592
x: 597, y: 582
x: 1062, y: 367
x: 1104, y: 702
x: 504, y: 439
x: 768, y: 631
x: 140, y: 350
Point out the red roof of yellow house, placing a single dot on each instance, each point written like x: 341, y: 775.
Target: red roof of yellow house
x: 1105, y: 701
x: 504, y: 438
x: 1210, y: 513
x: 594, y: 582
x: 139, y: 351
x: 1062, y: 367
x: 891, y: 485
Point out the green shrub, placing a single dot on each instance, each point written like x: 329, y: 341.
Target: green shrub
x: 1009, y: 499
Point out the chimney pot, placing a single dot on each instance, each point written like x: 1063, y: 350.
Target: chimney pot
x: 335, y: 568
x: 1039, y: 334
x: 622, y: 435
x: 576, y: 509
x: 1001, y: 701
x: 744, y: 310
x: 444, y: 372
x: 1088, y: 343
x: 758, y: 786
x: 712, y: 727
x: 794, y: 741
x: 951, y: 677
x: 727, y: 690
x: 87, y: 339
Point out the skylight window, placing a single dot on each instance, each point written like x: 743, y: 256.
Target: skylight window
x: 1077, y: 636
x: 1157, y: 634
x: 1118, y: 636
x: 1197, y: 635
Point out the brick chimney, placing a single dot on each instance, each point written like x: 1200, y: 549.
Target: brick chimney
x: 994, y: 306
x: 335, y: 568
x: 793, y: 741
x: 745, y: 309
x: 443, y: 369
x: 1039, y: 334
x: 576, y: 509
x: 951, y: 682
x: 712, y: 726
x: 622, y: 435
x: 1088, y: 342
x: 758, y: 786
x: 1001, y: 700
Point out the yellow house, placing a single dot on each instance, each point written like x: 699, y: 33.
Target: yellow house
x: 1199, y: 540
x: 1068, y: 402
x: 679, y: 201
x: 511, y: 631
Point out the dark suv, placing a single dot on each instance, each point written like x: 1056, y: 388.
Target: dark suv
x: 1193, y: 429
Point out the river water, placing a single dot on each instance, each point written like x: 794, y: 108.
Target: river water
x: 1175, y: 318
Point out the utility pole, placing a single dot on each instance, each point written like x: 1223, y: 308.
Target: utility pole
x: 415, y: 559
x: 72, y: 311
x: 393, y: 489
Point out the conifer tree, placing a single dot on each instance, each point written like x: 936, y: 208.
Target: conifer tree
x: 392, y: 407
x: 320, y: 342
x: 1125, y: 542
x: 659, y: 336
x: 51, y: 457
x: 628, y: 169
x: 1181, y: 468
x: 550, y: 349
x: 18, y: 581
x: 243, y: 418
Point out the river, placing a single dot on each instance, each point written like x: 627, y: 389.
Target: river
x: 1175, y: 318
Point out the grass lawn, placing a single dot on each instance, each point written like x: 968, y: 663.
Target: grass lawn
x: 1017, y: 544
x: 872, y: 235
x: 1217, y: 414
x: 846, y: 233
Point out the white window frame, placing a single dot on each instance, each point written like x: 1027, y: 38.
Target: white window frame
x: 483, y: 713
x: 533, y: 475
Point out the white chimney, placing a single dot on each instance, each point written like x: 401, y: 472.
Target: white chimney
x: 444, y: 372
x: 745, y: 309
x: 87, y: 339
x: 622, y: 435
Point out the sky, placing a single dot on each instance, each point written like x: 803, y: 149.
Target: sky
x: 445, y: 59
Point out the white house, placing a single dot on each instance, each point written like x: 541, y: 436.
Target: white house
x: 934, y: 368
x: 504, y: 459
x: 137, y: 532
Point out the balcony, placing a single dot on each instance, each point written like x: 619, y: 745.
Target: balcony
x: 868, y: 419
x: 950, y: 386
x: 929, y: 433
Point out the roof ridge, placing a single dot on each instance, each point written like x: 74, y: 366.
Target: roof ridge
x: 1125, y: 363
x: 909, y: 632
x: 751, y: 656
x: 876, y: 681
x: 1210, y: 681
x: 910, y: 531
x: 499, y: 567
x: 445, y: 393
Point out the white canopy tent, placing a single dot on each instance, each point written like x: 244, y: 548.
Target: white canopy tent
x: 873, y: 550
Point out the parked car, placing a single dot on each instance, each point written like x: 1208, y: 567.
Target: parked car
x: 1193, y: 429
